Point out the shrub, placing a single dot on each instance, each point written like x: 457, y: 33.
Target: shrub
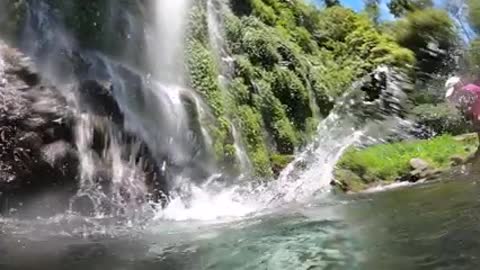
x: 441, y: 118
x: 386, y: 162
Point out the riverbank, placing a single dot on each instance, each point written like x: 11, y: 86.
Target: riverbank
x: 406, y: 161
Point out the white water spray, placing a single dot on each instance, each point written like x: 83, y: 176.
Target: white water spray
x: 310, y: 173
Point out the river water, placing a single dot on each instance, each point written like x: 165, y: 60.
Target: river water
x: 427, y: 226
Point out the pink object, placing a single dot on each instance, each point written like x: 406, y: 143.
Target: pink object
x: 470, y: 94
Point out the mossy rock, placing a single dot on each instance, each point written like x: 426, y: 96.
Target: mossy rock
x: 280, y: 162
x: 386, y: 163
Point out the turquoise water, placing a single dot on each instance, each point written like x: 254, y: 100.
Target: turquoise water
x: 431, y: 226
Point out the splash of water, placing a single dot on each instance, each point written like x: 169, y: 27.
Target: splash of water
x: 311, y: 173
x: 163, y: 113
x: 118, y: 193
x: 3, y: 81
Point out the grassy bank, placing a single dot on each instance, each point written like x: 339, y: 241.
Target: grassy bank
x: 361, y: 168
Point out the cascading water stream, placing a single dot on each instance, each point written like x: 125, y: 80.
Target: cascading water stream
x: 167, y: 45
x: 216, y: 10
x: 2, y: 67
x: 168, y: 117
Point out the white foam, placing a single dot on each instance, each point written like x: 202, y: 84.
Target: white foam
x: 207, y: 203
x: 382, y: 188
x: 3, y: 81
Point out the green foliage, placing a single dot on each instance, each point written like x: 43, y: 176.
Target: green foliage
x: 260, y: 46
x: 251, y: 125
x: 402, y: 7
x: 474, y: 14
x: 473, y: 57
x: 289, y: 89
x: 264, y: 12
x: 386, y: 162
x: 441, y: 118
x: 431, y: 35
x: 203, y: 78
x: 290, y: 66
x: 276, y: 120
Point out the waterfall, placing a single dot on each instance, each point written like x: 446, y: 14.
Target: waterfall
x: 159, y: 112
x: 167, y: 45
x: 216, y: 10
x: 2, y: 71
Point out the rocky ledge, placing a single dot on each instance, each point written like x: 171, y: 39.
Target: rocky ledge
x: 35, y: 128
x: 404, y: 161
x: 38, y: 152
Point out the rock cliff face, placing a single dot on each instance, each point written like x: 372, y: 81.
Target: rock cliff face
x: 35, y: 126
x: 38, y: 150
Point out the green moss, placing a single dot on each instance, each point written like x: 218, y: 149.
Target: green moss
x: 275, y: 118
x: 251, y: 125
x: 291, y: 92
x: 279, y: 162
x: 290, y: 67
x: 203, y: 79
x: 386, y: 162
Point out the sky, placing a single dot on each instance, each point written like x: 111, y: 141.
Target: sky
x: 357, y: 5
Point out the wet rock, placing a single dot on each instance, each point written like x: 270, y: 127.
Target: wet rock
x: 33, y: 114
x: 59, y: 154
x: 98, y: 97
x: 457, y: 160
x: 37, y: 148
x: 422, y: 173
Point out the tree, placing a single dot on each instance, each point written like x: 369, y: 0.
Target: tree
x: 331, y: 3
x: 372, y: 9
x: 431, y: 35
x: 400, y: 8
x: 474, y: 14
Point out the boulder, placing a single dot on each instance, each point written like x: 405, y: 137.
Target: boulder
x: 37, y: 148
x: 33, y: 113
x: 97, y: 97
x: 421, y: 172
x: 418, y: 164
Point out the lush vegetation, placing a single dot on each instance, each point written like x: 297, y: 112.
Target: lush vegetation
x: 290, y: 66
x: 359, y: 168
x: 291, y: 61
